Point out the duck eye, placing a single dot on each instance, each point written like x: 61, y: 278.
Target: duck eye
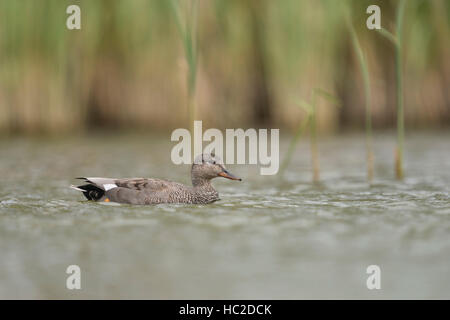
x: 214, y: 162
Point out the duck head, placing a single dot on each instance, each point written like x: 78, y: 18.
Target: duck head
x: 207, y: 167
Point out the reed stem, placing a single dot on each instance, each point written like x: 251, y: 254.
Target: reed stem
x: 313, y: 140
x: 399, y: 80
x: 311, y: 121
x: 368, y: 97
x: 397, y: 41
x: 188, y: 33
x: 300, y: 130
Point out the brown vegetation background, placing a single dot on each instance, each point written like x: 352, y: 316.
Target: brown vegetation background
x: 126, y: 69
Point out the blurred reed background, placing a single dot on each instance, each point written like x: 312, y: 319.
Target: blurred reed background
x: 126, y: 68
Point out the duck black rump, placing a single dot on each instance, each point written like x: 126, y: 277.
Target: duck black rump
x: 92, y: 192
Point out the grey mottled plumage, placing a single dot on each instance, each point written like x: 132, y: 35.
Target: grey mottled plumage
x: 154, y: 191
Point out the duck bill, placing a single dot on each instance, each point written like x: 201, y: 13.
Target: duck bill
x: 229, y: 175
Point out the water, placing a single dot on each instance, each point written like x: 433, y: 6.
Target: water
x: 267, y: 238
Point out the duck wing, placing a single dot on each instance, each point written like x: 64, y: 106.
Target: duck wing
x: 145, y: 184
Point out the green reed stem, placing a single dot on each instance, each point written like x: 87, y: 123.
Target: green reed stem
x: 399, y: 80
x: 367, y: 92
x: 188, y: 32
x: 397, y: 41
x: 313, y: 139
x: 311, y: 121
x: 299, y: 133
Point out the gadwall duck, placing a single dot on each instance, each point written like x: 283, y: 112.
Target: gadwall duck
x: 153, y: 191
